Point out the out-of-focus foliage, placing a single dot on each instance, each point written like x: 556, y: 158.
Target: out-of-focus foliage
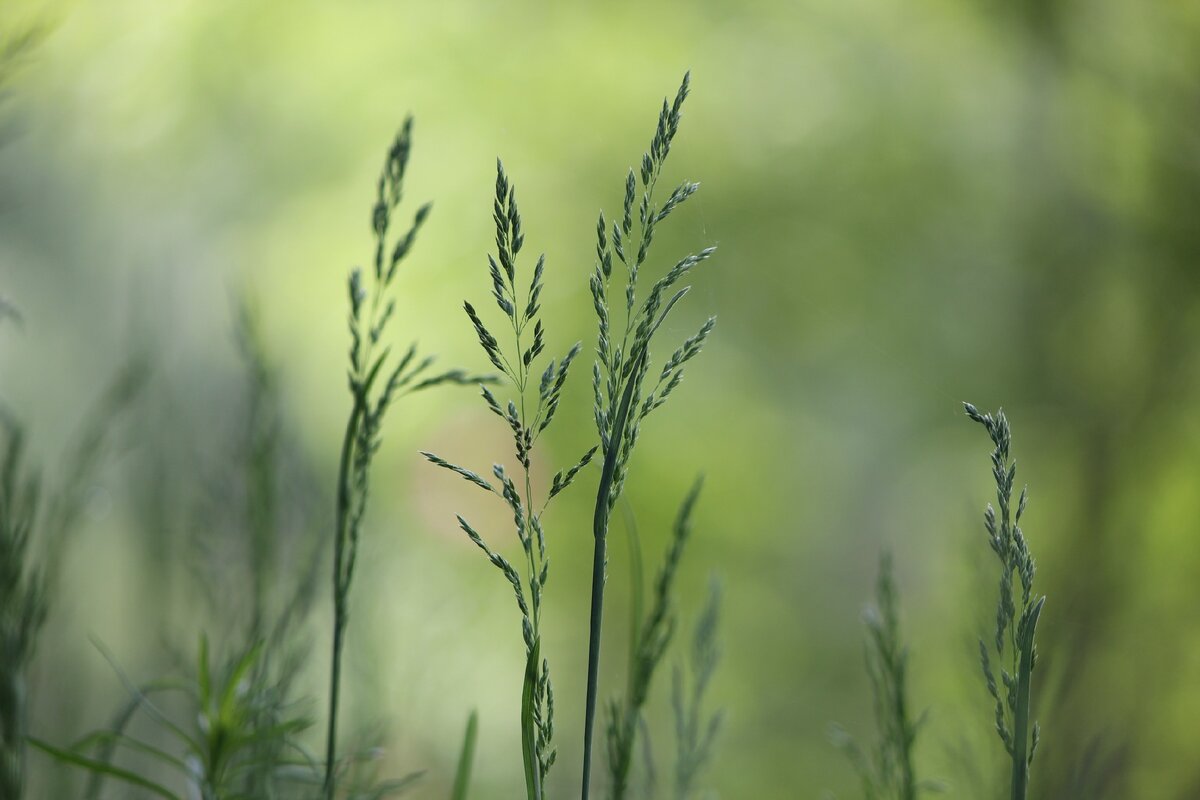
x: 915, y: 204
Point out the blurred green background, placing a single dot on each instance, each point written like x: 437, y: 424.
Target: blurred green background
x: 915, y: 204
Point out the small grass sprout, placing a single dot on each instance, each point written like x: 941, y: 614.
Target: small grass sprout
x: 1014, y: 631
x: 619, y: 376
x: 527, y: 417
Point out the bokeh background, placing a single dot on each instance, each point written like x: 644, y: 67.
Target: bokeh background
x: 915, y: 204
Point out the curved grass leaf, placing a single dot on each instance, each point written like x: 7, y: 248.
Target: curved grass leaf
x: 92, y: 765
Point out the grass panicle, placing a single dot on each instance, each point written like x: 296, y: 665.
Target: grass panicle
x: 695, y: 729
x: 1015, y: 626
x: 649, y: 638
x: 376, y: 381
x: 888, y: 771
x: 623, y: 396
x: 537, y: 392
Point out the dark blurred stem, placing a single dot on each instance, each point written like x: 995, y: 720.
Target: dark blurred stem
x: 599, y: 556
x: 340, y: 594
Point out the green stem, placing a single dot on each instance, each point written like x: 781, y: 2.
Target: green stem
x: 1020, y: 755
x: 599, y: 558
x: 340, y: 593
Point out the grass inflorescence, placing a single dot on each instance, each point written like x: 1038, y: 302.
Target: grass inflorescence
x: 649, y: 637
x: 623, y: 399
x: 537, y: 392
x: 887, y: 771
x: 230, y: 721
x: 1014, y: 631
x: 696, y: 730
x: 372, y: 395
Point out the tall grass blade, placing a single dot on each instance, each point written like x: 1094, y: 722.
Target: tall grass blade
x: 466, y: 758
x: 533, y: 778
x: 623, y: 355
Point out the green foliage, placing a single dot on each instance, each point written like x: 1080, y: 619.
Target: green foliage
x: 619, y: 375
x: 22, y: 608
x: 696, y: 730
x: 649, y: 638
x: 34, y: 532
x: 1007, y: 540
x: 371, y: 309
x: 239, y: 728
x: 887, y: 772
x: 526, y: 416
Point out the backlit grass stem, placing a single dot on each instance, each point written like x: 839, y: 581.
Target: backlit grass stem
x: 619, y: 374
x: 372, y: 395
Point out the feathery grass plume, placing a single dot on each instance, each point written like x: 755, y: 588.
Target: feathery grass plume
x: 887, y: 773
x: 372, y: 393
x: 622, y: 399
x: 526, y: 417
x: 648, y: 641
x: 30, y: 519
x: 695, y: 731
x: 1016, y: 632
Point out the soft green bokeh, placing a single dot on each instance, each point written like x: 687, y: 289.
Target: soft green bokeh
x: 915, y: 204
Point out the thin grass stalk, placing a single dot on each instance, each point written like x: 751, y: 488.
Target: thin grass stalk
x: 339, y: 599
x: 1015, y: 626
x: 526, y: 422
x: 620, y: 372
x: 373, y: 394
x: 599, y: 559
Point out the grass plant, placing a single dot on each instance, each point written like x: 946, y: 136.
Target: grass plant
x: 888, y: 771
x: 527, y: 417
x: 619, y: 377
x: 373, y: 390
x: 35, y: 527
x: 1014, y: 631
x: 649, y: 637
x: 695, y: 729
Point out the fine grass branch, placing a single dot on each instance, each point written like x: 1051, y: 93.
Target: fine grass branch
x: 649, y: 638
x: 1014, y: 631
x: 695, y: 729
x: 373, y: 390
x: 887, y: 772
x: 527, y: 416
x: 623, y: 397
